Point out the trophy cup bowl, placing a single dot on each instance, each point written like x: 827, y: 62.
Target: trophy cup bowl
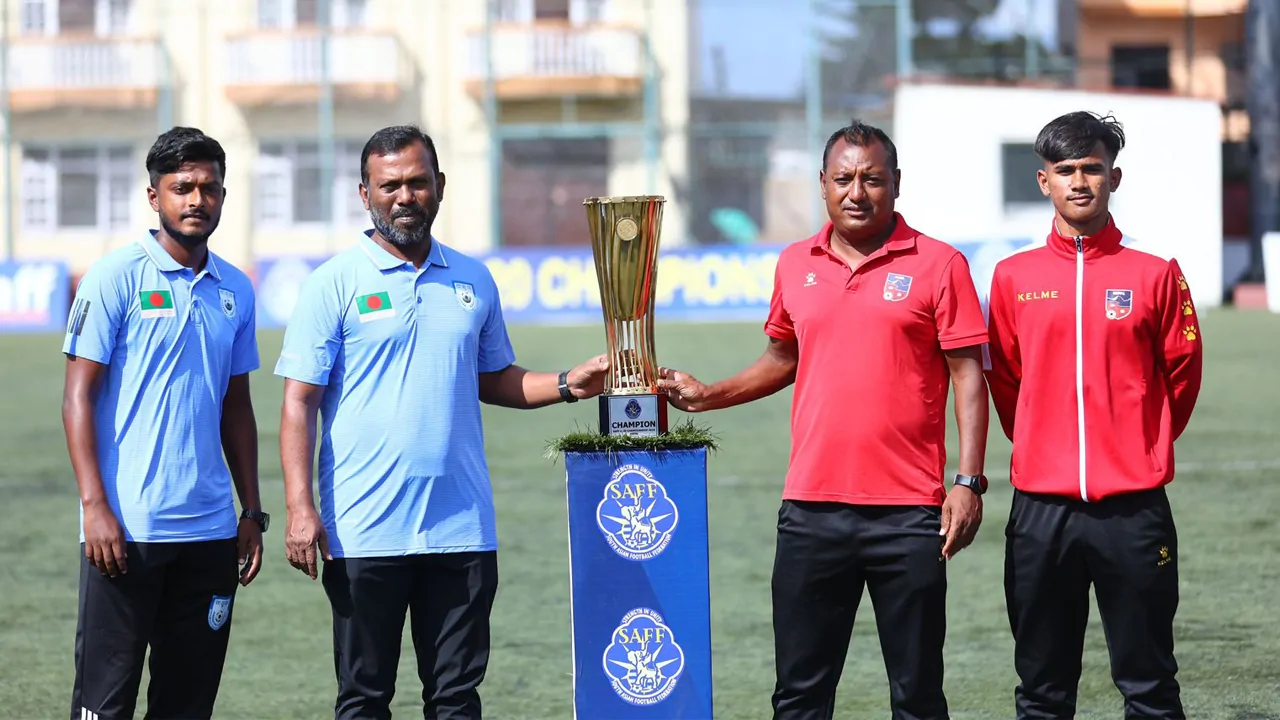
x: 625, y: 233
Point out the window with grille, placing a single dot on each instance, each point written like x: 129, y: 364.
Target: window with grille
x: 77, y: 187
x: 287, y: 14
x: 287, y: 175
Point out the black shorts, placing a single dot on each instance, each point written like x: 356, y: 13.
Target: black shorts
x: 176, y: 598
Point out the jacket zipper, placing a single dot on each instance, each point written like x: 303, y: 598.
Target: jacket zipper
x: 1084, y: 494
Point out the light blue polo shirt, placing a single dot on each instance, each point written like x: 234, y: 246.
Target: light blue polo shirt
x: 171, y: 340
x: 399, y: 350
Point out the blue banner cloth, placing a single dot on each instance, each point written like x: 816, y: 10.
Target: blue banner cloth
x: 545, y: 286
x: 639, y: 585
x: 35, y: 296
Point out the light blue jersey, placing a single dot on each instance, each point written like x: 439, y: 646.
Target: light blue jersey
x: 399, y: 351
x: 171, y: 340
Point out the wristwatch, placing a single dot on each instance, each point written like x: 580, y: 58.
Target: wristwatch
x: 976, y: 483
x: 565, y: 393
x: 257, y: 516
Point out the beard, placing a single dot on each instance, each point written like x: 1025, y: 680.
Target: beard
x: 187, y: 239
x: 401, y: 237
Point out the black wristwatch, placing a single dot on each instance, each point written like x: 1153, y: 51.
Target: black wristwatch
x: 257, y: 516
x: 565, y: 393
x: 976, y: 483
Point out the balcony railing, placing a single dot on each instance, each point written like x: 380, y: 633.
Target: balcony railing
x: 593, y: 60
x: 79, y: 68
x: 260, y: 62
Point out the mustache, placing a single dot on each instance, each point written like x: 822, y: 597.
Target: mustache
x: 408, y: 213
x: 195, y: 214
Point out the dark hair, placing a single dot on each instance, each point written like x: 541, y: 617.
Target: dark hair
x: 1074, y: 135
x: 861, y: 135
x: 180, y: 146
x: 393, y: 139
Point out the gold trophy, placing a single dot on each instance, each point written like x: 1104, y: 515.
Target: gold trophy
x: 624, y: 241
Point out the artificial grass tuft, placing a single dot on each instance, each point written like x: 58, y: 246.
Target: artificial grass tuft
x: 686, y: 435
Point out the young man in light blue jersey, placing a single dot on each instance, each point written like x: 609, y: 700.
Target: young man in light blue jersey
x: 159, y: 345
x: 396, y: 342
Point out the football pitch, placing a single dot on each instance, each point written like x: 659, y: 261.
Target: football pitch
x: 1226, y: 500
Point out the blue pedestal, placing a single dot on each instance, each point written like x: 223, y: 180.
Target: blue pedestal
x: 639, y: 585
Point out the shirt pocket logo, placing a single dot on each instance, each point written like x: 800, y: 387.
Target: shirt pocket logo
x: 466, y: 295
x: 227, y: 301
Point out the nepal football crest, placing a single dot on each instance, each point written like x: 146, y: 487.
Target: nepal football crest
x: 219, y: 611
x: 636, y: 515
x: 643, y: 659
x: 897, y: 287
x: 1119, y: 304
x: 632, y: 409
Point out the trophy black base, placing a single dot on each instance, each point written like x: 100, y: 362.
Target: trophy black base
x: 642, y: 415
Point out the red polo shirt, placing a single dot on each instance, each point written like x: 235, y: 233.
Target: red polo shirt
x: 868, y: 419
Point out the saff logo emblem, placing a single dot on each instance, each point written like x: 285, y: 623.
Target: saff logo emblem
x: 636, y: 515
x: 466, y: 295
x: 219, y: 611
x: 1119, y: 304
x: 643, y: 661
x: 897, y: 287
x: 632, y: 409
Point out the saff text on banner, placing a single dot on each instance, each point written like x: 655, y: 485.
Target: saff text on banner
x: 640, y: 588
x: 34, y: 296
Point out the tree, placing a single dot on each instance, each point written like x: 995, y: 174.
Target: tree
x: 859, y: 54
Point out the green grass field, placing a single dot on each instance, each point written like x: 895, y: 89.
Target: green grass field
x: 1227, y: 501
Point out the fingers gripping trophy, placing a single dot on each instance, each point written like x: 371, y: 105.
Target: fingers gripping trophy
x: 625, y: 233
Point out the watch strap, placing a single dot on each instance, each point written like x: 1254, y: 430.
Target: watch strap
x: 257, y: 516
x: 565, y: 393
x: 976, y: 483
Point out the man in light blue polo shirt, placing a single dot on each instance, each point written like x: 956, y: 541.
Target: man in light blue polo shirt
x: 395, y: 343
x: 159, y: 345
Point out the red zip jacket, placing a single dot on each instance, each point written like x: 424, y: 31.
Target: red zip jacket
x: 1094, y: 364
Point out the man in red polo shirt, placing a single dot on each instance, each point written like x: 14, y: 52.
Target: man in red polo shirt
x: 871, y: 320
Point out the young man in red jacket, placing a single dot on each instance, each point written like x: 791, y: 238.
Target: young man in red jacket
x: 1094, y: 367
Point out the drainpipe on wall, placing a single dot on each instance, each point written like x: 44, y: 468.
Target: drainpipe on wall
x: 495, y: 134
x: 324, y: 11
x: 9, y: 241
x: 1262, y: 48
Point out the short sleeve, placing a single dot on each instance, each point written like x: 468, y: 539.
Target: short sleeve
x: 97, y: 314
x: 244, y: 352
x: 495, y: 345
x: 779, y: 324
x: 958, y: 314
x: 314, y: 333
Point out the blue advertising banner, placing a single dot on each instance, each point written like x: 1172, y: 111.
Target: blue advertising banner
x: 558, y: 285
x: 34, y: 296
x: 639, y: 585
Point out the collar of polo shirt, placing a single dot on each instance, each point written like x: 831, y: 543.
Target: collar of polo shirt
x: 163, y: 260
x: 386, y: 261
x: 903, y: 238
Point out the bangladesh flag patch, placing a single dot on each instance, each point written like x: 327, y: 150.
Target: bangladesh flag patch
x: 156, y: 303
x: 374, y: 306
